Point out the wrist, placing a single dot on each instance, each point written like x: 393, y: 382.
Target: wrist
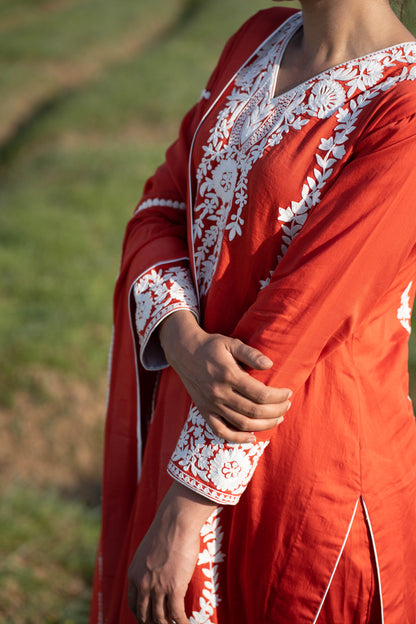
x: 189, y: 509
x: 178, y: 331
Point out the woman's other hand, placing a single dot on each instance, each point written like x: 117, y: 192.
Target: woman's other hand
x: 163, y: 565
x: 211, y: 368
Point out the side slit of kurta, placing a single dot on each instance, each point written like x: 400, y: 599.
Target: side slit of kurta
x: 373, y: 544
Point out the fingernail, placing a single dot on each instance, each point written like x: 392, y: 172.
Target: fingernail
x: 289, y: 406
x: 290, y: 394
x: 251, y: 440
x: 265, y: 361
x: 280, y: 420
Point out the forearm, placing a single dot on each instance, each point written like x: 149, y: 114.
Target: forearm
x: 189, y: 509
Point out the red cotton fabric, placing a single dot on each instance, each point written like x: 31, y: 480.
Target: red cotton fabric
x: 287, y: 222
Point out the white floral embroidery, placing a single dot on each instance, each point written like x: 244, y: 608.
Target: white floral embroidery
x: 209, y: 559
x: 252, y: 120
x: 404, y: 312
x: 157, y: 293
x: 332, y: 149
x: 326, y: 96
x: 169, y: 203
x: 370, y: 71
x: 235, y: 143
x: 217, y: 469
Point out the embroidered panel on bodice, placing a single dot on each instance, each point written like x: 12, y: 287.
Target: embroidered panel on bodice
x: 251, y: 121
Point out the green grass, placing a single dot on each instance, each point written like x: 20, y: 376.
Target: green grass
x: 47, y: 548
x: 82, y: 126
x: 92, y: 93
x: 73, y: 175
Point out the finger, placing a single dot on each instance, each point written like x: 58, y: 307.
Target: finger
x: 249, y: 356
x: 159, y: 611
x: 240, y: 411
x: 223, y: 430
x: 143, y: 609
x: 176, y: 609
x: 256, y: 391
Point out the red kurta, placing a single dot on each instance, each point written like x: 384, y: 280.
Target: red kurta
x: 287, y: 222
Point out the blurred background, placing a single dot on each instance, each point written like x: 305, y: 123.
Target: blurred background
x: 91, y: 94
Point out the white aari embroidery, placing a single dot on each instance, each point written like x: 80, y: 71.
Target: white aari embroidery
x: 209, y: 559
x: 404, y: 312
x: 168, y: 203
x: 159, y: 292
x: 208, y: 464
x: 252, y: 121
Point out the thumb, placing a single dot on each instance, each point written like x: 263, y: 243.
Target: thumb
x: 249, y: 356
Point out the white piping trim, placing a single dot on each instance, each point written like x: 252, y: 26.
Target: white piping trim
x: 154, y: 266
x: 169, y: 203
x: 207, y: 112
x: 337, y: 562
x: 373, y: 542
x: 136, y: 359
x: 138, y: 419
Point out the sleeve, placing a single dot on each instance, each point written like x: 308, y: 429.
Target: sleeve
x: 155, y: 257
x: 336, y: 268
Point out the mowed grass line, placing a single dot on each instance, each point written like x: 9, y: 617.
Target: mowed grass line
x: 68, y: 190
x: 61, y: 45
x: 69, y: 185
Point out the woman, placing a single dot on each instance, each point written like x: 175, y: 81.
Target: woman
x: 271, y: 263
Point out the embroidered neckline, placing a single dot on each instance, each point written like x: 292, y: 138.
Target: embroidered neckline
x: 295, y: 21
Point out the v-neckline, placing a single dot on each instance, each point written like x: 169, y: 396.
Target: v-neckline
x: 297, y: 24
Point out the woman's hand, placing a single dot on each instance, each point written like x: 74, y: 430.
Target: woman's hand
x: 210, y: 367
x: 163, y: 565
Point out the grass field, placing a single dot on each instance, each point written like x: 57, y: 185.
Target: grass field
x: 92, y: 92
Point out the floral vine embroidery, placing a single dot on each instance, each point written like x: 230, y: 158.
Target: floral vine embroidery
x: 157, y: 293
x: 252, y: 120
x: 215, y: 468
x: 209, y: 559
x: 293, y: 217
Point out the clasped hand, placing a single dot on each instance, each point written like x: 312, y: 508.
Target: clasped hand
x: 233, y: 403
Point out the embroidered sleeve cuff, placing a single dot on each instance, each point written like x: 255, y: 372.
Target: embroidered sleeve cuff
x: 211, y: 466
x: 158, y: 293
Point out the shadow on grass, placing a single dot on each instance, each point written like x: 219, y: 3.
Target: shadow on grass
x: 20, y: 134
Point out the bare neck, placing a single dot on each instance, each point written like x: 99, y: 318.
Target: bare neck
x: 338, y: 30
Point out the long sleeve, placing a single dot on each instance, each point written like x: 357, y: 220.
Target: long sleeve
x: 155, y: 248
x: 338, y: 264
